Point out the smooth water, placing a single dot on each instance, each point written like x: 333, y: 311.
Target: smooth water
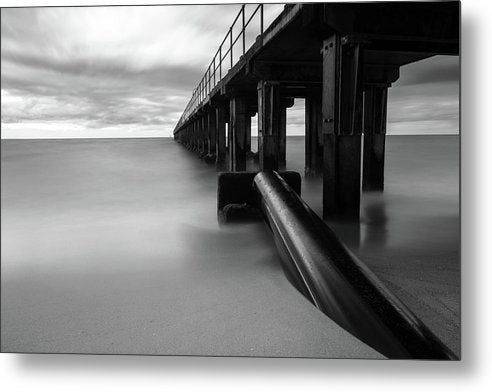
x: 112, y: 246
x: 409, y: 235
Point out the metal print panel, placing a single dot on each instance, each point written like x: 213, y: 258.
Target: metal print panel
x: 266, y: 180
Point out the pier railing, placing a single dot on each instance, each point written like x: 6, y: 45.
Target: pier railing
x: 224, y: 58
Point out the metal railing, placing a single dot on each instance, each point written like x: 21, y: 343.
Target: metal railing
x: 223, y: 60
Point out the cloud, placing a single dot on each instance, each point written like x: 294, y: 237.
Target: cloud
x: 104, y: 67
x: 425, y: 99
x: 437, y: 69
x: 125, y: 70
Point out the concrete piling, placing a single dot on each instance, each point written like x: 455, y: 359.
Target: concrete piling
x: 238, y: 133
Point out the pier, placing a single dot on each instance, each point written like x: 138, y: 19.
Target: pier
x: 341, y: 58
x: 346, y: 241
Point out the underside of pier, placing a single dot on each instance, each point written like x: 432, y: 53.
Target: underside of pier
x: 341, y: 58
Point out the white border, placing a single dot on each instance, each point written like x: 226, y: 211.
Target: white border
x: 473, y: 373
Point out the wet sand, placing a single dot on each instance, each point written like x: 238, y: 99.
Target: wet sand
x: 112, y: 246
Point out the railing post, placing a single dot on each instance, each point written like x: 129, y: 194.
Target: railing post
x: 243, y: 30
x: 214, y: 69
x: 261, y: 23
x: 220, y: 63
x: 231, y: 45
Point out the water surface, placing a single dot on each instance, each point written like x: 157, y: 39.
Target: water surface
x: 112, y: 246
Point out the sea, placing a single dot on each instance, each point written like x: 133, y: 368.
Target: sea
x: 113, y: 246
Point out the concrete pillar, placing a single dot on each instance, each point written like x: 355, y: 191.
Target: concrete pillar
x: 220, y: 113
x: 342, y: 106
x: 375, y: 106
x: 203, y: 135
x: 268, y: 124
x: 229, y: 135
x: 197, y: 135
x: 282, y: 137
x: 247, y: 147
x: 212, y: 131
x: 248, y: 134
x: 238, y: 129
x: 193, y: 135
x: 314, y: 137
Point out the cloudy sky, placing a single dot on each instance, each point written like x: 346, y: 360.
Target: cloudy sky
x: 130, y: 71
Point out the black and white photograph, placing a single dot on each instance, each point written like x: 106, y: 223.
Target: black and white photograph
x: 259, y: 183
x: 246, y: 180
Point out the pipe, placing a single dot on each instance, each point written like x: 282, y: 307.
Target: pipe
x: 336, y: 282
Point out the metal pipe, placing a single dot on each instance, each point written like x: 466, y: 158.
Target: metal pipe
x: 337, y: 283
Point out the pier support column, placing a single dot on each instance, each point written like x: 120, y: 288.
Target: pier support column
x: 203, y: 135
x: 238, y: 129
x: 212, y: 132
x: 268, y: 125
x: 282, y: 131
x: 197, y: 135
x: 190, y: 136
x: 252, y: 102
x: 375, y: 104
x: 247, y: 147
x: 282, y: 137
x: 221, y: 119
x: 342, y: 108
x: 193, y: 135
x: 314, y: 138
